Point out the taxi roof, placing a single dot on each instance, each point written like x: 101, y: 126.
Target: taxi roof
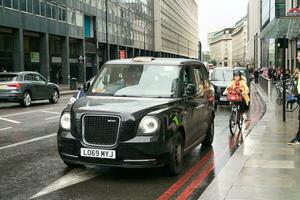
x: 153, y: 61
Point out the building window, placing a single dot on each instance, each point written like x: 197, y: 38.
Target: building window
x: 15, y: 4
x: 43, y: 8
x: 7, y: 3
x: 29, y: 6
x: 48, y: 10
x: 61, y: 14
x: 36, y: 7
x: 23, y: 5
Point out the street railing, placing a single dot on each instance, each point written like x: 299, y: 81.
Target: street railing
x: 266, y: 84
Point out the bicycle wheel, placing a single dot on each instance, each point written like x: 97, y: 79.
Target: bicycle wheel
x: 233, y: 122
x: 290, y: 107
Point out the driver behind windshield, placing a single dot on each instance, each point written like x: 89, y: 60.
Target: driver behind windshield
x: 128, y: 77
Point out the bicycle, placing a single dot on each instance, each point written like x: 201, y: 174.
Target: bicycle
x: 291, y: 99
x: 292, y: 103
x: 236, y: 118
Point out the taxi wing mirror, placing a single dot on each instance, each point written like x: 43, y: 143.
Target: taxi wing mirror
x: 190, y: 90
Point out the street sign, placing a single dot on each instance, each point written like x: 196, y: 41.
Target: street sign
x: 35, y: 57
x: 122, y: 54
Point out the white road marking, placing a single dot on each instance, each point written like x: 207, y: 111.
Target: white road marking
x: 50, y: 112
x: 73, y: 177
x: 28, y: 141
x: 52, y: 117
x: 10, y: 120
x: 23, y: 113
x: 3, y: 129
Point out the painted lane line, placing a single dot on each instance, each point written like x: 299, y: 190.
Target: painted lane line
x: 9, y: 120
x: 3, y: 129
x: 28, y: 141
x: 24, y: 113
x: 170, y: 192
x: 195, y: 184
x: 50, y: 112
x: 52, y: 117
x: 73, y: 177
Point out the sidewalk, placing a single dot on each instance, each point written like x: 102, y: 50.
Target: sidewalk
x: 264, y: 167
x: 65, y: 89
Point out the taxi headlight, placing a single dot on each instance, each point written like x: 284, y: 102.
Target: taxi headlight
x: 149, y: 125
x: 65, y: 121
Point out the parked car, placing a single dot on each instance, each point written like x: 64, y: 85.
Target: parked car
x: 220, y: 79
x: 141, y: 112
x: 25, y: 87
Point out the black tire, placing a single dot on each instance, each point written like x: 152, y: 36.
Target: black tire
x: 175, y: 162
x: 54, y: 96
x: 26, y: 99
x: 209, y: 139
x: 234, y: 124
x: 290, y: 107
x: 71, y: 165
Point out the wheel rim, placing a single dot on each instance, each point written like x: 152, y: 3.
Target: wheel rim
x: 27, y: 99
x: 178, y: 153
x: 55, y: 96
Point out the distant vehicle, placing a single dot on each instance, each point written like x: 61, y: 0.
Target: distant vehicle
x: 220, y: 79
x: 25, y: 87
x: 141, y: 112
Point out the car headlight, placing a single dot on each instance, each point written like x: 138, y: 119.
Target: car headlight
x: 65, y: 121
x: 149, y: 125
x: 72, y: 100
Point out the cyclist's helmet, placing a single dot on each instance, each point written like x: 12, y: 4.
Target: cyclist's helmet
x: 237, y: 73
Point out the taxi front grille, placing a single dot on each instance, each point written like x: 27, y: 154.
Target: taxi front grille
x: 100, y: 130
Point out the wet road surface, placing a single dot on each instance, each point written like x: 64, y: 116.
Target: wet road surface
x: 31, y: 168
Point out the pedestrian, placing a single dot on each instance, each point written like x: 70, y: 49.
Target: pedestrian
x: 296, y: 139
x: 270, y: 73
x: 256, y: 74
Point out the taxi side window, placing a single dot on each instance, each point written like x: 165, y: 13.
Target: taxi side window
x: 187, y: 78
x: 199, y: 81
x: 205, y: 76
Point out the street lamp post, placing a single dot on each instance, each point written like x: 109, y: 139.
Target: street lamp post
x: 106, y: 34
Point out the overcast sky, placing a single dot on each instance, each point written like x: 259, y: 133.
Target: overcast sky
x: 215, y: 14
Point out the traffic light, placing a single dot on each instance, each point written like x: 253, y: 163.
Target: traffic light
x: 282, y: 43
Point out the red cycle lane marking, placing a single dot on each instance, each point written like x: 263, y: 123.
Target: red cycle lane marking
x: 169, y: 192
x: 195, y: 184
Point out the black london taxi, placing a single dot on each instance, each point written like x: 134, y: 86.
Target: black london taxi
x: 138, y: 113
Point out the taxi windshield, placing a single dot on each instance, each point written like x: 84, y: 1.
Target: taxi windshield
x: 137, y: 81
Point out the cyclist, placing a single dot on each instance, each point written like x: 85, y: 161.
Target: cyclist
x: 239, y: 85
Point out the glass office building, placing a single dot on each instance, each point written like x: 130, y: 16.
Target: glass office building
x: 72, y: 38
x: 280, y: 19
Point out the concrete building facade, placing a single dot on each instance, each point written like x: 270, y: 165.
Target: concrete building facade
x: 176, y: 27
x: 220, y: 44
x: 62, y: 39
x: 239, y: 43
x: 253, y: 55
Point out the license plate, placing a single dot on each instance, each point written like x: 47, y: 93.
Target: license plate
x: 223, y: 98
x: 98, y: 153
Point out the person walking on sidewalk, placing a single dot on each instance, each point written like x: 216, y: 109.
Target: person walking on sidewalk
x: 296, y: 140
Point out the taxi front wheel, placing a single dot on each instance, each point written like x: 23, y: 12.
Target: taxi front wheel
x: 175, y: 162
